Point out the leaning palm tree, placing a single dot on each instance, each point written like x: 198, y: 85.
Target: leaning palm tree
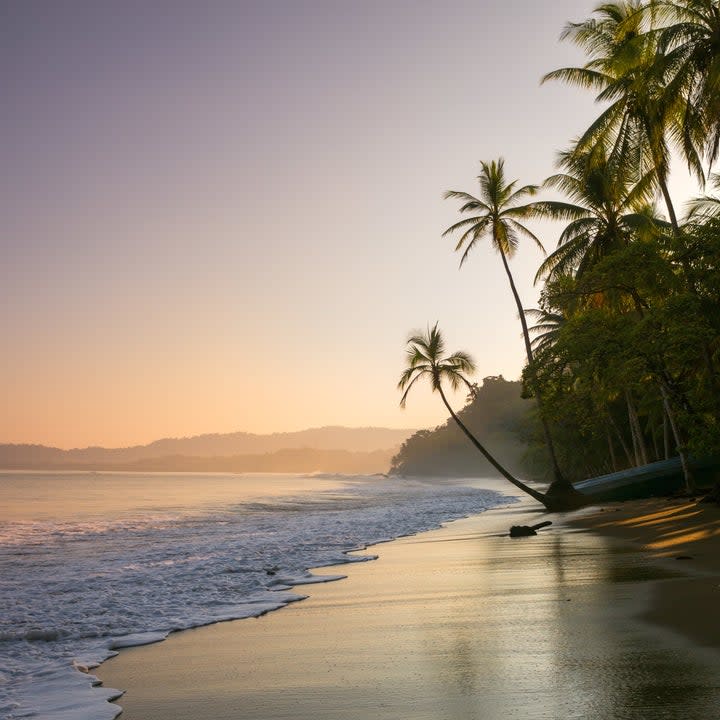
x: 426, y: 359
x: 497, y: 213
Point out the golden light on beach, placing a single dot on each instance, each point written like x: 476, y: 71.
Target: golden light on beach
x: 680, y: 526
x: 361, y: 360
x: 460, y: 622
x: 685, y: 537
x: 680, y: 512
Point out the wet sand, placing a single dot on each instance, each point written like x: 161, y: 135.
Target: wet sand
x: 681, y: 536
x: 463, y: 623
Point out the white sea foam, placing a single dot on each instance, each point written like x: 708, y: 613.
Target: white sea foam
x: 74, y: 591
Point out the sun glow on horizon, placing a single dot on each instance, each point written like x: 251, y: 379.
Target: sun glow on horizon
x: 237, y: 224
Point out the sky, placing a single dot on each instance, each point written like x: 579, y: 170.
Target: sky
x: 226, y: 216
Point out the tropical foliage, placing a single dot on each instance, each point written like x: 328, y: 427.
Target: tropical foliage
x: 630, y: 373
x: 625, y: 348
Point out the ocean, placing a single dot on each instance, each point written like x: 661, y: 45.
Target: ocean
x: 93, y: 562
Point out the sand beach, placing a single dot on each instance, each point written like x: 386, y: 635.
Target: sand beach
x: 593, y: 618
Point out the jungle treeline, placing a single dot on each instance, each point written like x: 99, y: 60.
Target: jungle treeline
x: 624, y: 348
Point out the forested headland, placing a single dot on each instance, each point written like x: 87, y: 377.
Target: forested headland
x: 497, y: 414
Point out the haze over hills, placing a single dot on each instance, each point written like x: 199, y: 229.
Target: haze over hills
x: 329, y: 449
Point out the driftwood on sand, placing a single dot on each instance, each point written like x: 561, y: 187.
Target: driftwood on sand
x: 527, y: 530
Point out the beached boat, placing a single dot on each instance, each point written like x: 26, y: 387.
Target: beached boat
x: 659, y: 478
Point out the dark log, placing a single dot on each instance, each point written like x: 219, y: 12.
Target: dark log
x: 527, y: 530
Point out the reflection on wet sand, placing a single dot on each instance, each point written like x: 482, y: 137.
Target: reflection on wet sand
x: 454, y: 624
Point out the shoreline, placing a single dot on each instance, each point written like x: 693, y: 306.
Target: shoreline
x: 133, y: 570
x: 356, y: 645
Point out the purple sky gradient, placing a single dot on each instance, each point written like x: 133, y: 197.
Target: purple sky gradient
x: 227, y: 215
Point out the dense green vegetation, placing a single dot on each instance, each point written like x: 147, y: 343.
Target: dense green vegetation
x: 623, y: 355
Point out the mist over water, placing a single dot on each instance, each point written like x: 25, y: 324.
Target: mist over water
x: 92, y: 562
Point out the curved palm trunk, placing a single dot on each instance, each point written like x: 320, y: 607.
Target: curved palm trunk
x: 523, y: 321
x: 505, y: 473
x: 560, y: 481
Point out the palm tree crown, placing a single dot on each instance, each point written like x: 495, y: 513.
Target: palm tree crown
x: 425, y: 360
x: 607, y: 210
x: 630, y: 75
x: 495, y: 213
x: 547, y: 327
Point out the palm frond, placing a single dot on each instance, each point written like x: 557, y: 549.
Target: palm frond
x: 601, y: 128
x: 558, y: 210
x: 519, y: 211
x: 703, y: 207
x: 467, y: 197
x: 462, y: 361
x: 469, y: 246
x: 516, y: 195
x: 522, y: 231
x: 425, y: 359
x: 407, y: 386
x: 467, y: 221
x: 579, y: 77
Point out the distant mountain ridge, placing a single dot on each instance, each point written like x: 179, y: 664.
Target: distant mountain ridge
x: 332, y: 449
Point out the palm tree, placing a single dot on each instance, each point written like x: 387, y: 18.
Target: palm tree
x: 629, y: 73
x: 497, y: 213
x: 426, y: 359
x: 691, y: 44
x: 607, y: 210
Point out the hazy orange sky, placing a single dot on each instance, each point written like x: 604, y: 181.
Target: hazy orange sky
x: 223, y: 216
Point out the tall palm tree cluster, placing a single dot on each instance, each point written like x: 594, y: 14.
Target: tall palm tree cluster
x: 622, y: 358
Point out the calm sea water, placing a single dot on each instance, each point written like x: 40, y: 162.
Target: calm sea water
x: 93, y: 562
